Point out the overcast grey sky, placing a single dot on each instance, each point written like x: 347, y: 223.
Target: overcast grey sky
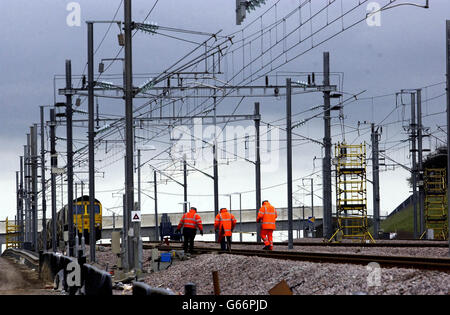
x: 406, y: 51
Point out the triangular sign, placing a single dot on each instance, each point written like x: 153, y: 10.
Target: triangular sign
x: 136, y: 216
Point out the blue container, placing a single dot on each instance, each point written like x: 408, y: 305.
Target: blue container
x: 166, y: 257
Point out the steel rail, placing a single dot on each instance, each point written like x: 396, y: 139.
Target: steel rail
x: 421, y: 244
x: 29, y: 258
x: 432, y: 263
x: 385, y: 261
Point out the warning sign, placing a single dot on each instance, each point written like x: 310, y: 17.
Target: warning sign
x: 135, y: 216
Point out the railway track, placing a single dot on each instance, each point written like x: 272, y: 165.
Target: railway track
x: 28, y: 258
x: 429, y: 263
x: 417, y: 244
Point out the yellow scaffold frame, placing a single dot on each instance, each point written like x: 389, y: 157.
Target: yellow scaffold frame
x: 12, y: 235
x: 351, y: 193
x: 436, y: 211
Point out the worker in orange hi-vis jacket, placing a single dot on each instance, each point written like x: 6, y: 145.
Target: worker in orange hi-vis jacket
x: 225, y: 222
x: 190, y: 221
x: 267, y: 216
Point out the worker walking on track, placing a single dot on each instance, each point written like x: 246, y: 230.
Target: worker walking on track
x: 190, y: 221
x: 225, y: 223
x: 267, y: 216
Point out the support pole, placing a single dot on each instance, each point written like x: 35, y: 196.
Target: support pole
x: 69, y: 114
x: 303, y: 222
x: 289, y: 159
x: 17, y: 200
x: 24, y: 195
x: 215, y: 162
x: 376, y: 181
x: 312, y: 197
x: 91, y: 135
x: 53, y: 164
x: 125, y: 244
x: 62, y: 190
x: 83, y: 239
x: 312, y: 208
x: 77, y: 239
x: 447, y: 48
x: 326, y: 169
x: 43, y: 188
x: 155, y: 183
x: 257, y: 170
x: 240, y: 216
x: 413, y: 128
x: 21, y: 235
x: 185, y: 193
x: 139, y: 178
x: 420, y: 162
x: 129, y: 135
x: 34, y: 227
x: 129, y: 236
x: 138, y: 247
x: 216, y: 184
x: 27, y: 189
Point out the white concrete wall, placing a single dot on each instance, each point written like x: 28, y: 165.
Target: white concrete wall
x: 208, y: 217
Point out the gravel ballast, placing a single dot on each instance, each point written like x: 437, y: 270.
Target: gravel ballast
x: 240, y: 275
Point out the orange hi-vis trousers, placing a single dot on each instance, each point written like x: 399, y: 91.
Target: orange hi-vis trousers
x: 267, y: 237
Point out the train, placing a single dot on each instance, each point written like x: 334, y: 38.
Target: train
x: 81, y: 221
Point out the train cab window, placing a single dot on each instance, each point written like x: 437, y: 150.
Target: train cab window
x: 96, y: 209
x: 79, y: 209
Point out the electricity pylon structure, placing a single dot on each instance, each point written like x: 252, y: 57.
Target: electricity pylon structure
x: 211, y: 87
x: 351, y: 193
x: 248, y: 91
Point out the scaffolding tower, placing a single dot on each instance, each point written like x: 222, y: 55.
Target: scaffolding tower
x: 351, y: 193
x: 12, y: 235
x: 436, y: 211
